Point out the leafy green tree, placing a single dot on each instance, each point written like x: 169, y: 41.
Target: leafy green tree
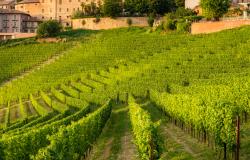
x: 49, y: 28
x: 214, y: 8
x: 136, y: 6
x: 112, y: 8
x: 180, y: 3
x: 149, y: 6
x: 160, y: 6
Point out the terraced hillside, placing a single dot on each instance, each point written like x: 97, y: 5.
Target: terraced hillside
x: 145, y: 95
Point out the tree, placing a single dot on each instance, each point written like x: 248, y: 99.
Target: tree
x: 49, y: 28
x: 112, y: 8
x: 214, y: 8
x: 160, y: 6
x: 149, y: 6
x: 180, y: 3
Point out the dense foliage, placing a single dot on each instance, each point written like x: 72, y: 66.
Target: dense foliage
x: 49, y: 28
x: 112, y: 8
x: 214, y: 8
x: 144, y: 130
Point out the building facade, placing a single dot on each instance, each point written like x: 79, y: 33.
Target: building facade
x: 12, y: 21
x: 7, y: 4
x: 60, y: 10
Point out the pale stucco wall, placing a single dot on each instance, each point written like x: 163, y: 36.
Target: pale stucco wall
x: 108, y: 23
x: 210, y: 27
x: 192, y: 3
x: 53, y: 9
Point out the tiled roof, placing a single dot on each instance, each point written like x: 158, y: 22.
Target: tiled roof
x: 9, y: 11
x: 6, y: 2
x: 28, y: 1
x: 32, y: 19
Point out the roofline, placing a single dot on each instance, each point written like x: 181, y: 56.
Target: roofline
x: 11, y: 12
x: 25, y: 2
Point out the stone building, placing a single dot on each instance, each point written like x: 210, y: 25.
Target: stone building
x: 60, y: 10
x: 7, y: 4
x: 13, y: 21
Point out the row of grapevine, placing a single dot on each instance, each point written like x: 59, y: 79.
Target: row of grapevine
x: 70, y: 91
x: 21, y: 146
x: 68, y: 100
x: 145, y: 131
x: 39, y: 109
x: 215, y: 120
x: 7, y: 115
x: 20, y: 123
x: 38, y: 120
x: 73, y: 141
x: 54, y: 104
x: 22, y: 109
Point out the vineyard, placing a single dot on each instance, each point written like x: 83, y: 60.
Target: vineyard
x: 126, y: 94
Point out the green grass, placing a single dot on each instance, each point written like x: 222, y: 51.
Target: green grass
x: 110, y: 144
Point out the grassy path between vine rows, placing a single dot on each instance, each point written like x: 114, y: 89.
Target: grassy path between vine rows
x: 245, y: 142
x: 177, y: 145
x: 116, y: 140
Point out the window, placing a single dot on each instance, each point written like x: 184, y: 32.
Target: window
x: 50, y: 1
x: 42, y: 1
x: 60, y: 9
x: 42, y: 10
x: 60, y: 1
x: 70, y: 0
x: 67, y: 10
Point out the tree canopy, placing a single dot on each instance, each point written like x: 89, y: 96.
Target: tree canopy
x: 112, y: 8
x: 214, y: 8
x: 149, y: 6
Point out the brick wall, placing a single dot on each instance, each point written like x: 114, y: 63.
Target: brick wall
x: 209, y: 27
x: 108, y: 23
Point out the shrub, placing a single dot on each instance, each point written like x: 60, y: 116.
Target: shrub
x: 180, y: 13
x: 97, y: 20
x: 77, y: 14
x: 169, y: 24
x: 49, y: 28
x: 183, y: 26
x: 129, y: 21
x: 151, y: 20
x: 214, y: 8
x: 83, y: 22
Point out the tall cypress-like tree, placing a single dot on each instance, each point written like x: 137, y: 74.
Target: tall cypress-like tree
x: 214, y: 8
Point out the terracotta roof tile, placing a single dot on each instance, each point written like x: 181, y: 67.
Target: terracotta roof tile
x: 29, y: 1
x: 9, y: 11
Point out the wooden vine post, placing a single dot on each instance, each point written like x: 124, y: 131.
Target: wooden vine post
x: 237, y: 156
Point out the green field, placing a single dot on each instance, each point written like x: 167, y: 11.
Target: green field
x: 126, y: 94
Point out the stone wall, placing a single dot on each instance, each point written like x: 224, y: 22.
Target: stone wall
x: 4, y: 36
x: 210, y: 27
x: 108, y: 23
